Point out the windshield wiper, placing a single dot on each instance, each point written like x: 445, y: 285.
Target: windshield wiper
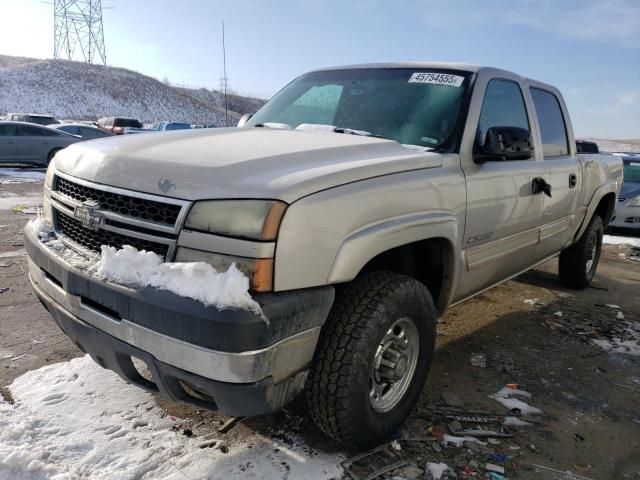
x: 362, y: 133
x: 318, y: 127
x: 274, y: 125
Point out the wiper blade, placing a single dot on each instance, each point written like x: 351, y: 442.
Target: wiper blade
x: 274, y: 125
x: 362, y: 133
x: 317, y: 127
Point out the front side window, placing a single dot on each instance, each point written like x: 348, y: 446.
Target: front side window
x: 552, y: 128
x: 503, y: 106
x: 411, y: 106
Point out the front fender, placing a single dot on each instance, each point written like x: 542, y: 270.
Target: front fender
x: 365, y: 244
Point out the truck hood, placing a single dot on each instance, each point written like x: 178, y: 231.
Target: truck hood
x: 238, y: 162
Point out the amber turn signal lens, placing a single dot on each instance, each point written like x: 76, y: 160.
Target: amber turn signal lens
x: 262, y: 279
x: 272, y: 222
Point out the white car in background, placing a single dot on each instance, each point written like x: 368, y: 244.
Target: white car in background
x: 627, y: 214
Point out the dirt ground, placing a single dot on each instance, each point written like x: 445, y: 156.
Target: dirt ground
x: 590, y: 398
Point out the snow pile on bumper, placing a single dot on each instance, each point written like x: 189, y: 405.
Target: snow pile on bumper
x: 137, y: 269
x: 197, y: 280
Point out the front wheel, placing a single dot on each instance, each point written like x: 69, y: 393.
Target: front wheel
x: 372, y: 358
x: 578, y: 263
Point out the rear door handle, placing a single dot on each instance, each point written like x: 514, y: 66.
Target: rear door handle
x: 573, y: 180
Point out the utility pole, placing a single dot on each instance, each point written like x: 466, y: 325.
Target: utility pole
x: 78, y: 31
x: 225, y: 79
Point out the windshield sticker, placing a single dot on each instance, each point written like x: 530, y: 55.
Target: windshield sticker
x: 437, y: 79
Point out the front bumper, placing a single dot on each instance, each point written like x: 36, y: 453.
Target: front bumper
x: 230, y: 360
x: 626, y: 217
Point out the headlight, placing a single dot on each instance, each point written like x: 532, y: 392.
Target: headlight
x: 252, y: 219
x: 48, y: 179
x: 259, y: 270
x: 635, y: 202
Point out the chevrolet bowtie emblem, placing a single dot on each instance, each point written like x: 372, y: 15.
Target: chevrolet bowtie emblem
x: 88, y: 214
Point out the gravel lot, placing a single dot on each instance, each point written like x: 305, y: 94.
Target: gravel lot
x: 591, y: 421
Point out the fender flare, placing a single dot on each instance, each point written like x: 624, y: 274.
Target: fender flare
x: 600, y: 192
x: 364, y: 244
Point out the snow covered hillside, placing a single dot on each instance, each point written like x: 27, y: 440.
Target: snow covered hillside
x: 78, y: 90
x: 617, y: 145
x: 237, y: 103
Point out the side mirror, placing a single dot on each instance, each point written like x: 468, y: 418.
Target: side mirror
x: 504, y: 143
x: 244, y: 119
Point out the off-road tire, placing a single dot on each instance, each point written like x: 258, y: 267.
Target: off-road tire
x: 337, y: 390
x: 52, y: 154
x: 572, y: 265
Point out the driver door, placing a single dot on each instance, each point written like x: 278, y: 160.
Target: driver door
x: 503, y: 214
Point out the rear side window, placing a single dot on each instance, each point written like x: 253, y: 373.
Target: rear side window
x: 127, y: 122
x: 29, y: 131
x: 503, y: 106
x: 41, y: 120
x: 587, y: 147
x: 552, y: 128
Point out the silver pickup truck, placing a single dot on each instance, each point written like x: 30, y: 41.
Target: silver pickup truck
x: 360, y: 201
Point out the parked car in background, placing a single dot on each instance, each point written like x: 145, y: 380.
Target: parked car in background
x: 627, y: 214
x: 164, y: 126
x: 585, y: 146
x: 86, y: 132
x: 158, y: 127
x: 116, y: 125
x: 32, y: 118
x: 30, y: 143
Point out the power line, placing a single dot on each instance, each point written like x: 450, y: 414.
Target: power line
x: 78, y: 31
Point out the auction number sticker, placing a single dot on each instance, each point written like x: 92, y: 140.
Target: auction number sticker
x: 437, y: 79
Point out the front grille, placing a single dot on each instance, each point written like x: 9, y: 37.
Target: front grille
x: 136, y: 207
x: 93, y: 240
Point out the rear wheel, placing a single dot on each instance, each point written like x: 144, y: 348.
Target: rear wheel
x: 52, y: 154
x: 372, y: 358
x: 578, y: 264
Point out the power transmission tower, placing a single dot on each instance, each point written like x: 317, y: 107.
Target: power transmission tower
x: 78, y: 30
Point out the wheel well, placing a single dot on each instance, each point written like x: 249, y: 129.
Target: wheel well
x: 428, y: 261
x: 606, y: 207
x: 52, y: 153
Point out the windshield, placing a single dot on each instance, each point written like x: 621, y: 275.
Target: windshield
x: 632, y: 171
x: 412, y: 106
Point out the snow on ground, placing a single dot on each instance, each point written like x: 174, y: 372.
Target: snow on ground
x: 617, y: 240
x: 75, y: 420
x: 626, y: 341
x: 507, y: 397
x: 21, y: 175
x: 20, y: 203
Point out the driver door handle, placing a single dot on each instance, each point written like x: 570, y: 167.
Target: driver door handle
x: 540, y: 185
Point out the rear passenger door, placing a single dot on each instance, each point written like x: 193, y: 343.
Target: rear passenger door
x: 562, y: 171
x: 503, y: 214
x: 7, y: 142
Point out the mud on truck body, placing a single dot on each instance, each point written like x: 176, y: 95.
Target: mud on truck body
x: 360, y: 201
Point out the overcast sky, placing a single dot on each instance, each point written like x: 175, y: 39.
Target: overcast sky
x: 589, y: 49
